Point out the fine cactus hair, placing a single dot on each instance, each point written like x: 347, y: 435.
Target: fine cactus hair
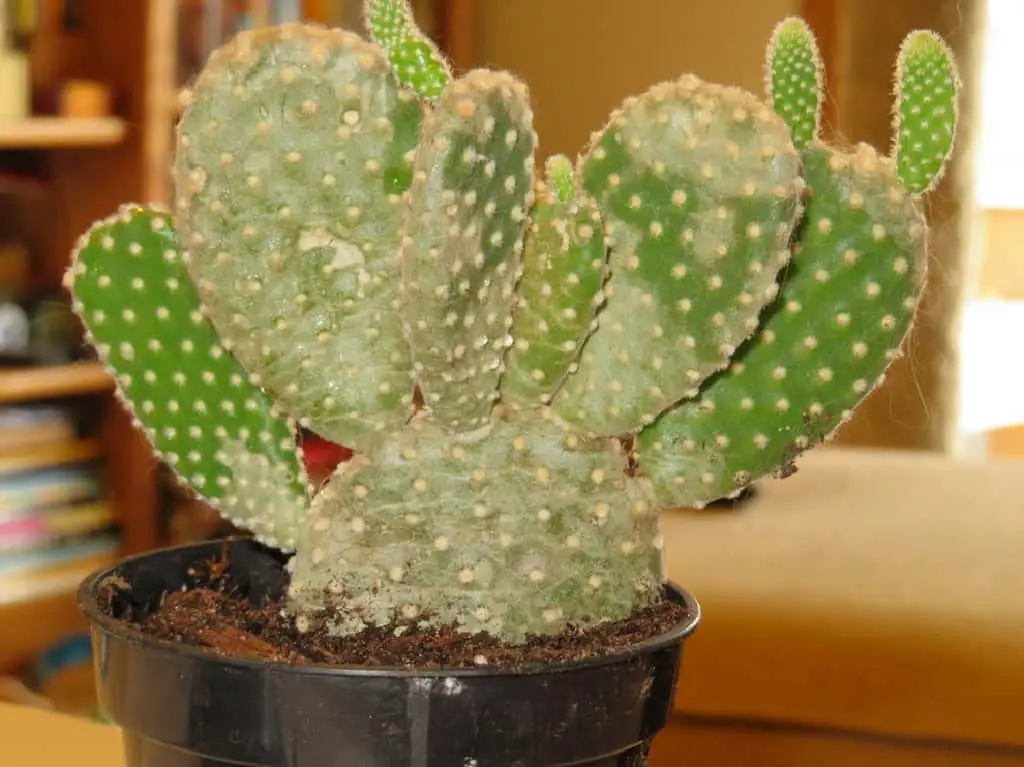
x: 529, y: 358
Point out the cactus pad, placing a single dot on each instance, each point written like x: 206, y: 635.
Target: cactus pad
x: 927, y: 85
x: 293, y: 156
x: 462, y: 250
x: 191, y: 398
x: 796, y: 79
x: 521, y: 531
x: 699, y: 188
x: 564, y: 271
x: 416, y: 61
x: 846, y: 304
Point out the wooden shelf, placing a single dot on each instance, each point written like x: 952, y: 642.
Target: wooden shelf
x: 57, y: 132
x: 21, y: 384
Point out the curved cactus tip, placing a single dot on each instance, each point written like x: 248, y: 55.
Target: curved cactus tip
x: 416, y: 60
x: 796, y: 78
x: 560, y: 176
x: 925, y: 110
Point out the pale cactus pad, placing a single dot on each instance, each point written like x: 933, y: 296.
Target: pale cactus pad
x: 530, y: 358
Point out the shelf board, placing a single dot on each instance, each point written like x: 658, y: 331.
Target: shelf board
x: 56, y: 132
x: 29, y: 383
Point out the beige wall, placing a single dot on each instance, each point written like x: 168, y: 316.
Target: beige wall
x: 580, y: 58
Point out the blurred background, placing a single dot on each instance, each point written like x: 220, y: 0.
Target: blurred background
x: 88, y: 103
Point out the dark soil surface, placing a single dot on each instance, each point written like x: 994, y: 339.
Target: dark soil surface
x: 216, y: 612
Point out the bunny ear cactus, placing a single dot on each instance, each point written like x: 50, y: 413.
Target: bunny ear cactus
x: 528, y: 369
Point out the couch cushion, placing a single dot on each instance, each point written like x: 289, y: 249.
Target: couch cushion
x: 871, y: 591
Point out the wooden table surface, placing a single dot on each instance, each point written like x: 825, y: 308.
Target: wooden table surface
x: 31, y: 737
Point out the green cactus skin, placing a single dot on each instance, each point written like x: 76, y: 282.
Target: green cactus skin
x: 564, y: 273
x: 927, y: 85
x: 796, y: 79
x: 293, y: 156
x: 522, y: 530
x: 462, y: 250
x: 561, y: 177
x: 416, y: 61
x: 194, y: 402
x: 699, y: 187
x: 846, y: 305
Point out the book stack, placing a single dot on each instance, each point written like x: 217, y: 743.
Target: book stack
x: 55, y: 524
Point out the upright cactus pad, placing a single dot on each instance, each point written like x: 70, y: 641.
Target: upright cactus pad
x: 292, y: 160
x: 528, y: 371
x: 846, y: 304
x: 462, y: 251
x: 927, y: 84
x: 564, y: 273
x: 523, y: 530
x: 699, y: 185
x: 796, y: 79
x: 195, y: 403
x: 417, y: 62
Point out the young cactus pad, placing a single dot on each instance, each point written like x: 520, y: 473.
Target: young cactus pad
x: 528, y: 370
x: 220, y: 433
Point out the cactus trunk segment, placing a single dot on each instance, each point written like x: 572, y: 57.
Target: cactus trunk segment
x: 462, y: 249
x: 521, y: 531
x: 292, y: 159
x: 927, y: 85
x: 796, y: 79
x: 564, y: 272
x: 699, y: 188
x: 416, y: 61
x: 220, y: 433
x: 846, y: 304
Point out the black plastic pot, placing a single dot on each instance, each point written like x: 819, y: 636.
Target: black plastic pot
x: 180, y: 706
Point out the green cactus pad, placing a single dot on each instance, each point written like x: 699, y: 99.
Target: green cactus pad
x: 561, y: 177
x: 190, y: 396
x: 796, y: 79
x: 416, y: 61
x: 522, y: 531
x: 845, y: 308
x: 293, y: 156
x: 461, y: 256
x: 564, y: 271
x: 927, y: 89
x: 699, y: 188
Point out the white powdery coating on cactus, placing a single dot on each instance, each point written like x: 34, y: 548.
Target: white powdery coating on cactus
x: 699, y: 188
x: 461, y: 254
x: 521, y: 529
x: 292, y: 217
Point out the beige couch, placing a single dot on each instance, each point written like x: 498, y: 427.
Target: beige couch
x: 869, y: 610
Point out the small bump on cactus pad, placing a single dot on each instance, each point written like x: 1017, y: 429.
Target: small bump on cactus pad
x: 416, y: 61
x: 699, y: 188
x: 293, y: 156
x: 190, y: 396
x: 564, y: 271
x: 523, y: 531
x: 927, y: 88
x: 796, y: 79
x: 462, y: 250
x: 846, y: 305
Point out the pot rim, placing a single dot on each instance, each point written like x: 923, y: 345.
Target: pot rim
x: 111, y: 626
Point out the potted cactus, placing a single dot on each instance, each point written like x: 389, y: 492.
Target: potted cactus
x: 529, y: 360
